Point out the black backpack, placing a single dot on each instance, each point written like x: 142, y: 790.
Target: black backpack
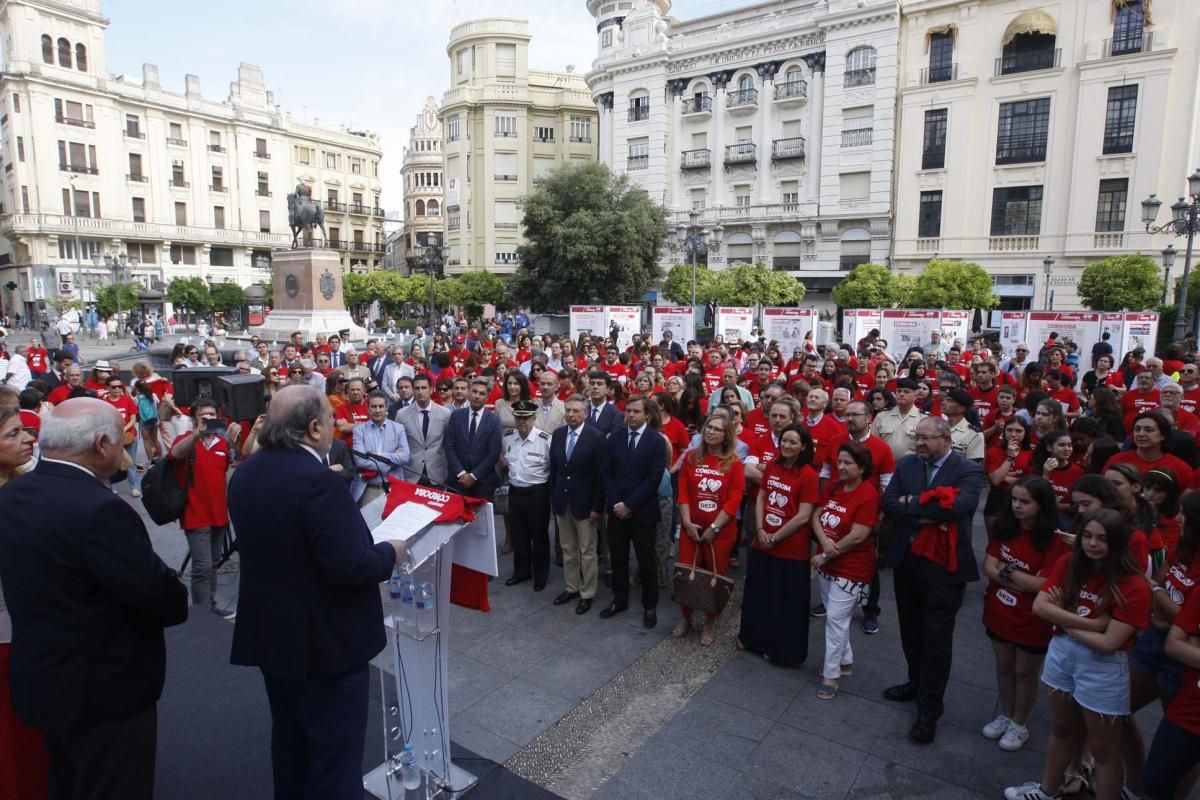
x: 162, y: 495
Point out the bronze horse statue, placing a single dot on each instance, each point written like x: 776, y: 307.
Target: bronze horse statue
x: 303, y: 214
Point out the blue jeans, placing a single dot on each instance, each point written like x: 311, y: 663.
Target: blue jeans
x: 204, y: 544
x: 1099, y: 682
x: 132, y: 474
x: 1172, y: 755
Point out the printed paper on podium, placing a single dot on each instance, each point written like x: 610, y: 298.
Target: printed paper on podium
x: 406, y: 523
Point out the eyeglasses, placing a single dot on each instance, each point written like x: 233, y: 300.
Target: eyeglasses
x: 116, y: 386
x: 295, y: 372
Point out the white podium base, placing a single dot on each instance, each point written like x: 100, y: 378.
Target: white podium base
x: 376, y: 782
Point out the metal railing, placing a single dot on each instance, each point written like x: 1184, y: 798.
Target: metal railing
x: 782, y: 149
x: 695, y: 159
x: 217, y: 187
x: 696, y: 105
x: 741, y: 153
x: 639, y: 113
x: 334, y: 205
x: 1029, y: 61
x: 134, y: 133
x: 741, y: 98
x: 80, y: 123
x: 785, y: 263
x: 262, y: 192
x: 84, y: 170
x: 1022, y: 149
x: 216, y: 148
x: 857, y: 137
x: 262, y: 154
x: 182, y: 184
x: 939, y: 73
x: 791, y: 90
x: 177, y: 142
x: 637, y: 162
x: 137, y: 177
x: 860, y: 77
x: 1133, y: 42
x: 505, y: 177
x: 359, y: 208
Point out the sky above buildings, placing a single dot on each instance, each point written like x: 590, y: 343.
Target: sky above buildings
x: 365, y: 64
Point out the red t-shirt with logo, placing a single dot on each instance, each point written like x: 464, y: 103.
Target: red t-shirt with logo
x: 1134, y: 590
x: 1063, y: 481
x: 38, y: 359
x: 707, y: 490
x: 1184, y: 709
x: 823, y: 433
x: 1066, y: 398
x: 756, y: 423
x: 1190, y: 401
x: 765, y: 449
x: 1135, y: 402
x: 840, y: 513
x: 1022, y: 465
x: 207, y: 506
x: 783, y: 490
x: 1008, y: 613
x: 883, y: 461
x: 616, y: 371
x: 124, y: 404
x: 713, y: 379
x: 355, y: 414
x: 1183, y: 473
x: 986, y: 404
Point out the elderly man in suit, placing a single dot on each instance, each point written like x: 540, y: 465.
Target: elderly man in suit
x: 634, y: 459
x: 473, y: 445
x: 425, y: 424
x: 577, y: 499
x: 928, y: 594
x: 551, y: 413
x: 308, y: 549
x: 88, y: 599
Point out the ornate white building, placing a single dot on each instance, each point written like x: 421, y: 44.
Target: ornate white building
x: 774, y: 121
x: 98, y: 165
x: 1030, y: 130
x: 424, y: 184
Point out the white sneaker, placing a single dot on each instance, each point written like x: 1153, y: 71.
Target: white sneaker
x: 136, y: 493
x: 1014, y: 738
x: 1028, y: 791
x: 996, y: 728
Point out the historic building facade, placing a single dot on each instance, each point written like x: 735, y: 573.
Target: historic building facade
x: 504, y: 126
x: 98, y: 166
x: 772, y: 124
x: 424, y: 186
x: 1032, y: 130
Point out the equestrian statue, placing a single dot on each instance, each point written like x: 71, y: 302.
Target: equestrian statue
x: 303, y: 214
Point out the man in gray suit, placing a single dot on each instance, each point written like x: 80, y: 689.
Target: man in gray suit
x: 551, y: 413
x: 425, y: 423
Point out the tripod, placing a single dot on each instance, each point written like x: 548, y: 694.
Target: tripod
x: 228, y: 548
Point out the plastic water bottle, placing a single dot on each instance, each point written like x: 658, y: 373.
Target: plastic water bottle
x: 405, y: 609
x: 426, y: 612
x: 394, y: 585
x: 410, y: 773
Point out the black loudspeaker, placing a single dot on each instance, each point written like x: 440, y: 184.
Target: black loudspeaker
x: 197, y: 382
x: 242, y: 397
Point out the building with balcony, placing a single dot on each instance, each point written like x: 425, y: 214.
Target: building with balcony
x: 775, y: 121
x: 1031, y: 130
x: 424, y: 186
x: 96, y: 164
x: 504, y: 127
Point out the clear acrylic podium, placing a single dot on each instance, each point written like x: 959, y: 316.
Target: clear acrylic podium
x: 414, y: 694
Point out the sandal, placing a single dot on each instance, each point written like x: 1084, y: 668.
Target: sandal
x: 709, y: 636
x: 681, y: 628
x: 827, y: 691
x: 847, y: 669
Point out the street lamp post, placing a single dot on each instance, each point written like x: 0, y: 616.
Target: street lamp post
x: 695, y: 240
x: 1168, y: 255
x: 1047, y: 267
x: 430, y: 259
x: 116, y: 263
x: 1185, y: 221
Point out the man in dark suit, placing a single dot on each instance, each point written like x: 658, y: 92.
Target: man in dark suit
x: 88, y: 599
x: 601, y: 414
x: 928, y: 596
x: 634, y: 460
x: 577, y: 499
x: 310, y: 550
x: 58, y: 376
x: 473, y: 445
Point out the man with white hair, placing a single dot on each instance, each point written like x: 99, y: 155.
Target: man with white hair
x: 88, y: 658
x: 1155, y: 366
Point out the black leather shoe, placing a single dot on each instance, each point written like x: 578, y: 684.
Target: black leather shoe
x: 537, y: 587
x: 514, y: 580
x: 903, y: 693
x: 566, y: 597
x: 584, y: 606
x: 923, y: 730
x: 612, y: 610
x: 650, y: 617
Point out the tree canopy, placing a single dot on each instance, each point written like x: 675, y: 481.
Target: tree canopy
x: 228, y: 297
x: 472, y: 290
x: 872, y: 286
x: 1120, y: 283
x: 106, y: 297
x: 677, y: 286
x: 591, y: 237
x: 745, y: 285
x: 190, y: 295
x: 952, y: 284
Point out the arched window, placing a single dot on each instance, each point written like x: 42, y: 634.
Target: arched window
x: 860, y: 67
x: 794, y: 74
x: 64, y: 53
x: 432, y: 208
x: 739, y: 249
x: 855, y: 248
x: 47, y: 49
x: 787, y: 251
x: 639, y: 105
x: 81, y: 57
x: 420, y: 208
x: 745, y: 83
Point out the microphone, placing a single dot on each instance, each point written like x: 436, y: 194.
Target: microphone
x: 378, y: 459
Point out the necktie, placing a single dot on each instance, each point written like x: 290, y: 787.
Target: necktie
x: 425, y: 425
x: 571, y: 436
x: 929, y: 470
x: 633, y: 441
x: 595, y: 414
x: 474, y: 425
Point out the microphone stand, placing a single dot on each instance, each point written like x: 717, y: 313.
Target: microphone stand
x: 378, y: 459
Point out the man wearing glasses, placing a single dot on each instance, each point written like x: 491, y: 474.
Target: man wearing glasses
x: 1015, y: 365
x: 1189, y: 379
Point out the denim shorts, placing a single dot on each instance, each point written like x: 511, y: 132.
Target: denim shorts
x: 1099, y: 682
x: 1149, y: 657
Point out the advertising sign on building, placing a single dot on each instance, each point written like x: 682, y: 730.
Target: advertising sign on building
x: 734, y: 324
x: 1080, y: 327
x: 858, y: 322
x: 788, y: 327
x: 679, y: 320
x: 628, y: 320
x: 905, y: 328
x: 588, y: 319
x: 1012, y: 330
x: 452, y: 192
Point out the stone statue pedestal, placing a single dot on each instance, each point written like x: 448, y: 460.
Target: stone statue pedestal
x: 308, y: 297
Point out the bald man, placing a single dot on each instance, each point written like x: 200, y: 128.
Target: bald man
x: 88, y: 658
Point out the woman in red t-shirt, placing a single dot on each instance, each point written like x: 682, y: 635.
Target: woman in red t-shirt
x: 776, y: 595
x: 711, y: 485
x: 116, y: 396
x: 1098, y: 601
x: 1150, y: 431
x: 1171, y: 766
x: 1022, y: 547
x: 844, y: 530
x: 1052, y: 461
x: 1006, y: 464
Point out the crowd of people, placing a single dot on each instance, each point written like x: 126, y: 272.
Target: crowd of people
x: 821, y: 466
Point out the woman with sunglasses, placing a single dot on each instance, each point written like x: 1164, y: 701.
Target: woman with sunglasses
x: 116, y: 396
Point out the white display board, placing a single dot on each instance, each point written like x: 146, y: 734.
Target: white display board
x: 905, y: 328
x: 588, y: 319
x: 788, y: 327
x: 679, y: 320
x: 1112, y: 323
x: 1140, y: 329
x: 735, y: 324
x: 1081, y: 327
x: 858, y: 322
x: 1012, y: 330
x: 956, y: 327
x: 629, y: 322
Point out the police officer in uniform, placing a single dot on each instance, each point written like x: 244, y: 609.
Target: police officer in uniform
x: 526, y: 456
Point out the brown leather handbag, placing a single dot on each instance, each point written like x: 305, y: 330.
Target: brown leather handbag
x: 699, y: 589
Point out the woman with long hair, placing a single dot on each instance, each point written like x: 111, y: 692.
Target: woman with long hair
x: 1052, y: 461
x: 1105, y: 408
x: 1162, y: 491
x: 1150, y: 433
x: 1031, y: 380
x: 1021, y: 549
x: 1097, y: 600
x: 1103, y: 376
x: 516, y: 388
x: 881, y: 400
x: 711, y: 485
x: 147, y: 414
x: 1098, y: 454
x: 1008, y: 462
x: 1126, y: 483
x: 1047, y: 418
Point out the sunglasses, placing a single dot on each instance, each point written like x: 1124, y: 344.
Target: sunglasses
x: 116, y: 386
x: 295, y: 372
x: 273, y: 374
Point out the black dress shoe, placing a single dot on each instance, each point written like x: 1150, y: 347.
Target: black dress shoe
x: 612, y: 610
x: 923, y: 730
x: 514, y: 580
x: 566, y: 597
x: 650, y: 617
x: 537, y: 587
x: 583, y: 606
x: 903, y: 693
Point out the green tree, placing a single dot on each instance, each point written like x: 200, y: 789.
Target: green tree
x: 227, y: 297
x: 106, y: 298
x: 677, y: 286
x: 472, y: 290
x: 592, y: 237
x: 952, y: 284
x: 1121, y: 283
x: 190, y: 295
x: 870, y: 286
x: 745, y: 285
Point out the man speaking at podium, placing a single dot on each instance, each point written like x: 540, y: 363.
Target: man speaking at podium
x: 309, y: 613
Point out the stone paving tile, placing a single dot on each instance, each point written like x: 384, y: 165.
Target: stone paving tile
x: 572, y: 674
x: 808, y: 765
x: 716, y: 730
x: 669, y: 771
x: 514, y: 652
x: 884, y: 780
x: 748, y: 787
x: 755, y: 686
x: 519, y: 711
x: 479, y: 740
x: 469, y: 680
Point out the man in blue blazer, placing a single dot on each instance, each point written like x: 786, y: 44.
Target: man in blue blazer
x: 601, y: 414
x: 472, y: 442
x: 928, y: 595
x: 309, y: 612
x: 634, y: 461
x: 577, y: 499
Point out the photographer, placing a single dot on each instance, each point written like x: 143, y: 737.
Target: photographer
x: 202, y: 459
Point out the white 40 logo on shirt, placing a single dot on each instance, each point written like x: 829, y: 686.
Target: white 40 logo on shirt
x: 709, y: 485
x: 830, y: 520
x: 776, y: 499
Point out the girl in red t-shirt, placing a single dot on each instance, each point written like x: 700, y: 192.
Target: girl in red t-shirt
x: 1161, y: 488
x: 1022, y: 547
x: 776, y: 596
x: 1006, y: 464
x: 1052, y: 461
x: 1097, y: 600
x: 1171, y: 767
x: 844, y: 530
x: 711, y: 485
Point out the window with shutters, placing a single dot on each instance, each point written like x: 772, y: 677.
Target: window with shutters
x: 1110, y: 206
x: 1024, y: 131
x: 581, y: 129
x: 1120, y: 119
x: 929, y: 219
x: 639, y: 153
x: 506, y: 60
x: 860, y: 67
x: 139, y: 209
x: 506, y: 167
x: 181, y: 214
x: 264, y: 221
x: 506, y: 125
x: 855, y: 185
x: 858, y: 126
x: 452, y: 128
x: 933, y: 150
x: 219, y: 217
x: 1017, y: 211
x: 220, y: 256
x: 183, y: 254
